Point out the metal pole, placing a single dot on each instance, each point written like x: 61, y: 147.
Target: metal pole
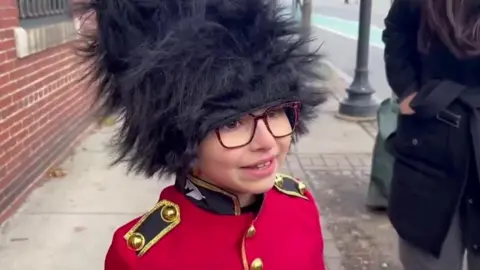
x: 306, y: 17
x: 360, y: 103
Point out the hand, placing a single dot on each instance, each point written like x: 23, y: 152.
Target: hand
x: 405, y: 104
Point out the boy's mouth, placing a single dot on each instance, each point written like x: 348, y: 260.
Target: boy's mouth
x: 264, y: 163
x: 262, y: 169
x: 260, y: 166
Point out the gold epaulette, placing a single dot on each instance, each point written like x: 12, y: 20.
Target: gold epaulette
x: 290, y: 186
x: 153, y: 226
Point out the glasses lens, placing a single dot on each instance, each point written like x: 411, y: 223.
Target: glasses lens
x: 237, y: 133
x: 281, y: 121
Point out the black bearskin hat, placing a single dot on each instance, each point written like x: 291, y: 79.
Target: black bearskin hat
x: 175, y: 70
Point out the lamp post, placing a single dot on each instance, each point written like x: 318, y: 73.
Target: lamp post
x: 304, y: 16
x: 360, y: 103
x: 302, y: 12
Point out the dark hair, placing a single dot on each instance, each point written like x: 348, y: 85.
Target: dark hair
x: 174, y: 70
x: 455, y: 22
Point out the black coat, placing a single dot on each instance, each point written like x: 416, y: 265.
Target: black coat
x: 435, y: 173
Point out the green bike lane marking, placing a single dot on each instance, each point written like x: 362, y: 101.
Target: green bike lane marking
x: 345, y: 28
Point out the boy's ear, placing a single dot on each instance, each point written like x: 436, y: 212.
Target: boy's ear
x: 194, y: 168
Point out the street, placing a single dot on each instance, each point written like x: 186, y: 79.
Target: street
x: 336, y: 25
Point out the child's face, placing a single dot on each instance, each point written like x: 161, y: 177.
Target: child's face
x: 251, y: 168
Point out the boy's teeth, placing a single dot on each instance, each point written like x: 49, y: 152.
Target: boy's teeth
x: 263, y: 165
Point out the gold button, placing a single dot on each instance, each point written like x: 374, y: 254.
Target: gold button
x: 257, y: 264
x: 251, y: 231
x: 169, y: 213
x: 302, y: 188
x: 279, y: 181
x: 136, y: 241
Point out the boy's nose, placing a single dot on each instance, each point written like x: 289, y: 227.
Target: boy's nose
x: 263, y: 139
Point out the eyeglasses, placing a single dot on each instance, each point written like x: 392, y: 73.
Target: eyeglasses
x: 280, y: 121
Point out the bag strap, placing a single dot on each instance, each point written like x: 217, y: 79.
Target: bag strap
x: 436, y: 97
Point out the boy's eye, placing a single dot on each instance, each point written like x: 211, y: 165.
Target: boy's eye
x: 231, y: 125
x: 275, y: 113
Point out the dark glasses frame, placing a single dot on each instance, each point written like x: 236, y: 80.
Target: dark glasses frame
x: 293, y: 104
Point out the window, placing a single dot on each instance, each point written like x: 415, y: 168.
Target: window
x: 43, y: 24
x: 34, y: 13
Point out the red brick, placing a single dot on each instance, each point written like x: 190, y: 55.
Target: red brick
x: 8, y: 111
x: 7, y: 4
x: 8, y: 22
x: 11, y: 54
x: 7, y: 44
x: 40, y: 103
x: 5, y: 101
x: 6, y: 34
x: 4, y: 79
x: 10, y: 13
x: 3, y: 56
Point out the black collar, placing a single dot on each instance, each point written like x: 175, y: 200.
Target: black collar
x: 214, y: 199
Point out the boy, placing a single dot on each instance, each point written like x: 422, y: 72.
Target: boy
x: 212, y: 92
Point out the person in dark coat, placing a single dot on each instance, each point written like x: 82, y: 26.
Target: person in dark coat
x: 432, y: 58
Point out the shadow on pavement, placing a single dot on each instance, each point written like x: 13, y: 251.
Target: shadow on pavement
x: 365, y: 239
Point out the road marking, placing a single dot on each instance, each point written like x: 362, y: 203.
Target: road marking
x: 350, y: 32
x: 347, y: 29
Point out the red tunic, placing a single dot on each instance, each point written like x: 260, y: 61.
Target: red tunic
x: 203, y: 228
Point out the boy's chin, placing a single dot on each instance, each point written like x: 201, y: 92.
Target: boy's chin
x: 261, y: 186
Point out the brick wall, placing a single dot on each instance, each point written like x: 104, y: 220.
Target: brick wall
x: 43, y: 110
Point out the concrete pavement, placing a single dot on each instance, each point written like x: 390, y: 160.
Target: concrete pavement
x: 68, y: 222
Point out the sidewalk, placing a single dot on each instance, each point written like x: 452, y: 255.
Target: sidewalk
x: 68, y: 222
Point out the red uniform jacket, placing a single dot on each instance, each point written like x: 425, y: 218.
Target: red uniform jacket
x: 203, y: 227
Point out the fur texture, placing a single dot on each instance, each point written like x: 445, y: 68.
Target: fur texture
x: 174, y: 70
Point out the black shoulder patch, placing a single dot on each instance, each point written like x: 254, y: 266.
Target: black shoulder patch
x: 153, y: 226
x: 290, y: 186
